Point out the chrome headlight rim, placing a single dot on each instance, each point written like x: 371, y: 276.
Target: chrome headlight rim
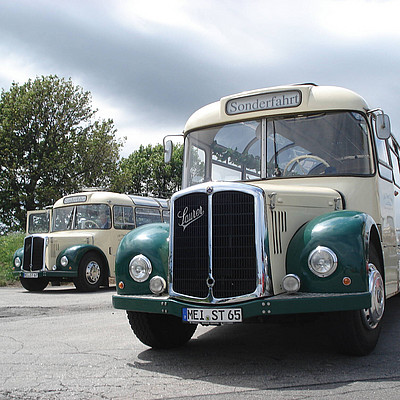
x: 64, y: 261
x: 319, y: 254
x: 157, y: 284
x: 140, y: 268
x: 291, y: 283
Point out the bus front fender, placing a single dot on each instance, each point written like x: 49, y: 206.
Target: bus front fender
x: 348, y: 235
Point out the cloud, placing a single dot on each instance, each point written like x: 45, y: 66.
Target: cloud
x: 150, y: 64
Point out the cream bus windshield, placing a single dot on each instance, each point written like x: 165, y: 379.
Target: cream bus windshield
x: 86, y: 216
x: 334, y: 143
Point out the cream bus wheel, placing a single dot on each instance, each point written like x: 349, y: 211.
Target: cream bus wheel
x: 90, y: 273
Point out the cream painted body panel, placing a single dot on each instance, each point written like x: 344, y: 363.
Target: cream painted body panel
x: 288, y: 208
x: 371, y: 195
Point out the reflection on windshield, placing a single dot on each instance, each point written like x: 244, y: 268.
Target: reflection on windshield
x: 87, y: 216
x: 307, y: 145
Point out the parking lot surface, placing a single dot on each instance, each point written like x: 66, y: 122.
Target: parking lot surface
x: 62, y: 344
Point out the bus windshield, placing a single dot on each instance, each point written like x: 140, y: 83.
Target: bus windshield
x: 335, y: 143
x: 85, y: 216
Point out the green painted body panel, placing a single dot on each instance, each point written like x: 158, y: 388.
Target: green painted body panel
x: 344, y: 233
x: 75, y: 254
x: 150, y: 240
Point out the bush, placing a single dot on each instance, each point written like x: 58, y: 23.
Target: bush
x: 8, y: 244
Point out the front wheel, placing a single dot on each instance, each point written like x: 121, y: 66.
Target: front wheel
x: 359, y: 330
x: 90, y: 273
x: 34, y: 285
x: 160, y: 331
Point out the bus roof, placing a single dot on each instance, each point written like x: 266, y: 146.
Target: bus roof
x: 288, y: 99
x: 148, y: 201
x: 110, y: 198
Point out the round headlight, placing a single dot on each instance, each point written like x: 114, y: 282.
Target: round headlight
x: 64, y: 261
x: 157, y: 284
x: 291, y: 283
x: 17, y: 262
x: 140, y: 268
x: 322, y: 261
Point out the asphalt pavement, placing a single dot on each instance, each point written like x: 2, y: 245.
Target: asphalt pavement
x: 62, y: 344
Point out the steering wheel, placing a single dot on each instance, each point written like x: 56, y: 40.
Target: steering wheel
x: 298, y: 159
x: 90, y: 225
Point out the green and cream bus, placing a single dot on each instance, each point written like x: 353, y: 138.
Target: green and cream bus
x: 290, y: 205
x: 76, y: 239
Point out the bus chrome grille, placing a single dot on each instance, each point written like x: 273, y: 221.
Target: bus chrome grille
x: 214, y: 253
x: 33, y: 253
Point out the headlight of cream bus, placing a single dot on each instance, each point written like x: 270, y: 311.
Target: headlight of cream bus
x: 64, y: 261
x: 140, y: 268
x: 322, y: 261
x: 17, y: 262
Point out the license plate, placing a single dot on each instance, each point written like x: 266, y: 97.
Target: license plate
x: 31, y: 275
x: 212, y: 315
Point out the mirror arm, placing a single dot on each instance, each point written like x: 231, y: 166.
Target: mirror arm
x: 378, y: 110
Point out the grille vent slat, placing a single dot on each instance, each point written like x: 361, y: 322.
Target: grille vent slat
x: 279, y: 226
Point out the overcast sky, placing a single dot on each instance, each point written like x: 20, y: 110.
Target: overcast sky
x: 150, y: 64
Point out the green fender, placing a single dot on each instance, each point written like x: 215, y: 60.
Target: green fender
x: 18, y: 253
x: 75, y: 254
x: 151, y: 240
x: 348, y: 234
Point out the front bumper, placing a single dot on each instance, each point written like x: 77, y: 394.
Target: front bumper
x: 46, y: 274
x: 298, y: 303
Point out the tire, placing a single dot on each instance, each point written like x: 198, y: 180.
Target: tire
x: 90, y: 273
x: 34, y: 285
x: 359, y: 330
x: 160, y: 331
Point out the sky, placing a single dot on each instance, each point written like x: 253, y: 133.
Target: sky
x: 149, y: 64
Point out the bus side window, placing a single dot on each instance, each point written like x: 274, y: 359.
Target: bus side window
x: 385, y: 171
x: 394, y: 153
x: 166, y: 214
x: 147, y: 215
x: 123, y: 217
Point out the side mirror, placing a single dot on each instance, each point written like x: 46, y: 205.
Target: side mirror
x: 382, y: 126
x: 168, y: 147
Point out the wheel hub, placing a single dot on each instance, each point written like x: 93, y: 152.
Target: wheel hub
x: 92, y: 272
x: 372, y: 316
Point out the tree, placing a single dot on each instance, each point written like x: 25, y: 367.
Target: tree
x: 144, y: 172
x: 50, y: 145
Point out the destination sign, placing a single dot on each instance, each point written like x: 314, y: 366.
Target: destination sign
x: 266, y: 101
x: 75, y: 199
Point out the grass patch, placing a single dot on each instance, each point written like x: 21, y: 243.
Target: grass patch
x: 8, y: 244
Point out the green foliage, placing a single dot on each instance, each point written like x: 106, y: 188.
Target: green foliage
x: 145, y: 172
x: 50, y: 145
x: 8, y: 245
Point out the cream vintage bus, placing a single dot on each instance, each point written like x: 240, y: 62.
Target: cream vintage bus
x: 290, y: 205
x: 77, y: 238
